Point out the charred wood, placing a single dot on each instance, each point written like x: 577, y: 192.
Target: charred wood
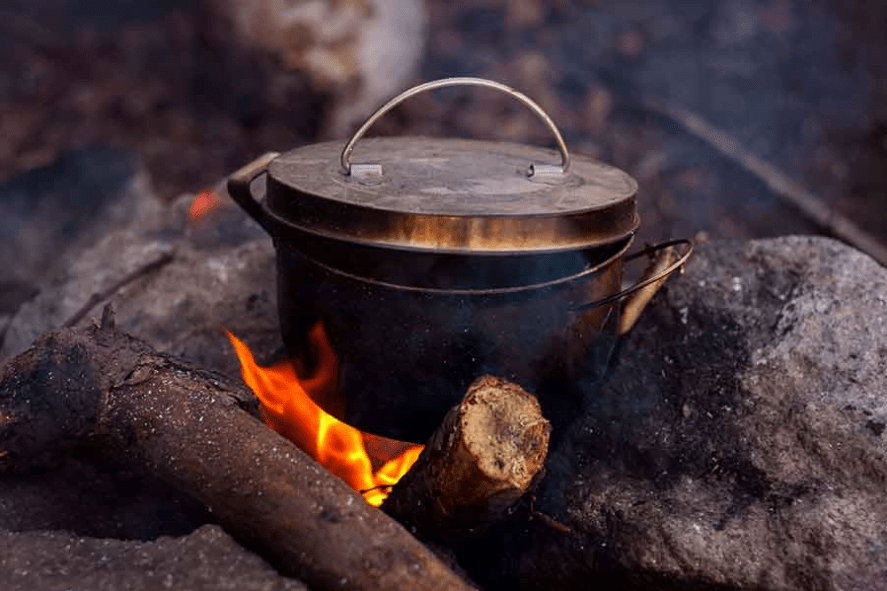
x: 193, y: 429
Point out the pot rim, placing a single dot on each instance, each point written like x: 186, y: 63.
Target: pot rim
x: 467, y: 292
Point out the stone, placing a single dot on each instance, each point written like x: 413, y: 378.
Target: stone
x: 207, y: 559
x: 91, y: 496
x: 50, y: 213
x: 213, y: 273
x: 738, y: 441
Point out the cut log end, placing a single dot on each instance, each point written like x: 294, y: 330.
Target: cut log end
x: 504, y: 432
x: 477, y: 465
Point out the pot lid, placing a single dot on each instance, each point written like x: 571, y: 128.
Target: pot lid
x: 450, y: 195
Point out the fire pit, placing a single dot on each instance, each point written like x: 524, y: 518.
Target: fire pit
x: 736, y: 440
x: 672, y: 455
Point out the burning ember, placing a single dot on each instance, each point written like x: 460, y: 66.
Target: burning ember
x: 288, y: 407
x: 205, y: 201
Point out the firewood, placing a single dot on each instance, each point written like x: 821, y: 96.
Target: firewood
x: 476, y: 466
x: 191, y: 428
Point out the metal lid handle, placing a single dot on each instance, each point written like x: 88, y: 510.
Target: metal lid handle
x: 345, y: 157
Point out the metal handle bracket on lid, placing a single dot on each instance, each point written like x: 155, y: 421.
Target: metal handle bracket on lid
x: 375, y: 170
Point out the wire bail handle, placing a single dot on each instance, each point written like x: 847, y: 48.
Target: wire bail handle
x: 370, y: 170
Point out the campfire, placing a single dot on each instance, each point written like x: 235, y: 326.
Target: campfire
x: 526, y: 288
x: 289, y: 406
x: 510, y: 290
x: 195, y: 430
x: 421, y: 357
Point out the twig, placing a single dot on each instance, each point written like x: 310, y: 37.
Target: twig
x: 372, y: 488
x: 547, y: 519
x: 97, y: 298
x: 813, y: 207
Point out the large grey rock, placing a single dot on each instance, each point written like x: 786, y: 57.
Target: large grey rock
x: 216, y: 273
x: 739, y: 442
x: 49, y: 213
x: 207, y: 559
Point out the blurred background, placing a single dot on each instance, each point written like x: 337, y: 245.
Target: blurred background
x: 727, y: 112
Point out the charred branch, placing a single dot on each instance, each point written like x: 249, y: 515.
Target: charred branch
x: 792, y: 192
x: 193, y: 430
x: 478, y: 464
x: 99, y: 297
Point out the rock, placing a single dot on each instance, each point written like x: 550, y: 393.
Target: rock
x: 215, y: 272
x: 49, y: 213
x: 739, y: 440
x: 90, y: 496
x: 205, y: 281
x: 208, y: 559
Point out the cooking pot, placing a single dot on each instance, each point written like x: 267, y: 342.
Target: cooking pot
x: 433, y: 261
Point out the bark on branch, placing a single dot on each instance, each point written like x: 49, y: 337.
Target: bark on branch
x: 190, y: 428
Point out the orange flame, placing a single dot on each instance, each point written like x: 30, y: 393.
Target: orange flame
x: 288, y: 407
x: 204, y: 202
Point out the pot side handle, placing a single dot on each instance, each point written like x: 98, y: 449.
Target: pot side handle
x: 664, y: 261
x: 240, y: 183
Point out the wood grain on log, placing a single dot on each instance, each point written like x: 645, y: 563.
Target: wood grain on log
x: 190, y: 428
x: 477, y: 465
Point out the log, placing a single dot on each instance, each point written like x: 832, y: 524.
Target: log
x: 477, y: 464
x: 194, y: 430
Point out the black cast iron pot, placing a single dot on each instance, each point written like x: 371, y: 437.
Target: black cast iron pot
x: 443, y: 260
